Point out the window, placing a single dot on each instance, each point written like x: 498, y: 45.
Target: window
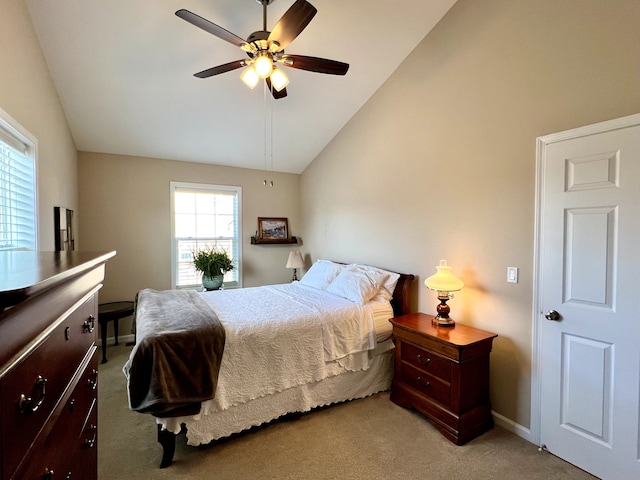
x: 204, y: 216
x: 17, y: 187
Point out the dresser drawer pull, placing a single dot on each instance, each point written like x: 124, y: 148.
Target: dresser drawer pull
x: 48, y: 474
x: 89, y: 325
x: 423, y: 361
x: 92, y: 383
x: 90, y: 442
x: 422, y: 382
x: 31, y: 404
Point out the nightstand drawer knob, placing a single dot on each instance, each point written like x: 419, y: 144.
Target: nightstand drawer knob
x: 423, y: 361
x: 424, y: 383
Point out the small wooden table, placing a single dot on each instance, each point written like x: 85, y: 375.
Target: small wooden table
x: 443, y: 372
x: 112, y: 311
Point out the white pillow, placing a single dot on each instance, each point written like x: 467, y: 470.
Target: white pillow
x: 386, y: 290
x: 321, y: 274
x: 357, y: 284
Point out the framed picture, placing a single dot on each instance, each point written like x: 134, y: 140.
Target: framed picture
x: 273, y: 229
x: 63, y: 228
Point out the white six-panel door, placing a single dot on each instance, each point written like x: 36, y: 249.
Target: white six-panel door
x: 588, y: 297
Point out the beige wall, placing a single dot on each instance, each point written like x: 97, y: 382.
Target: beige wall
x: 440, y: 163
x: 28, y: 95
x: 125, y: 207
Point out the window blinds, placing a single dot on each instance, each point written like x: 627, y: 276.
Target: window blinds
x: 17, y: 194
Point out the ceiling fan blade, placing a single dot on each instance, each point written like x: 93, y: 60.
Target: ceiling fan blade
x: 210, y: 27
x: 315, y: 64
x: 292, y: 23
x: 276, y: 94
x: 227, y: 67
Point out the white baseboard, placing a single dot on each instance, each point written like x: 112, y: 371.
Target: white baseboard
x: 513, y: 427
x: 121, y: 339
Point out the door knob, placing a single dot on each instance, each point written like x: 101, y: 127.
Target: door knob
x: 552, y: 315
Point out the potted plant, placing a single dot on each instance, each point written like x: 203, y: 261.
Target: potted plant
x: 213, y: 262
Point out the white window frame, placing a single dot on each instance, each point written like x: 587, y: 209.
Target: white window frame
x: 174, y: 248
x: 20, y: 139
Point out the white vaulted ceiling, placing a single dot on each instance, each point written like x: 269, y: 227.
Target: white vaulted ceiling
x: 124, y: 73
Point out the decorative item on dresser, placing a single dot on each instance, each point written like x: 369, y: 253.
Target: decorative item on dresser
x: 444, y: 374
x: 49, y: 364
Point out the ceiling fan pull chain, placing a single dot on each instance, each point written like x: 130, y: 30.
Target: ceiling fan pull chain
x: 271, y: 100
x: 264, y: 100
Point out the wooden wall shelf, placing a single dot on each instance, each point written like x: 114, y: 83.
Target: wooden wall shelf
x: 288, y: 241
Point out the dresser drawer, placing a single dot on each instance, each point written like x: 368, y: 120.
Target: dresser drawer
x: 30, y: 392
x: 426, y: 361
x: 425, y: 383
x: 72, y: 440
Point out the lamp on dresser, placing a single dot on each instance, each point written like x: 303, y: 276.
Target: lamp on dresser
x: 295, y: 261
x: 444, y: 282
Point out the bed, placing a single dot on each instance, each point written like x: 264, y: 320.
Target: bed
x: 281, y: 349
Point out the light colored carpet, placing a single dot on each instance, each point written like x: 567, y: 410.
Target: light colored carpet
x: 370, y: 438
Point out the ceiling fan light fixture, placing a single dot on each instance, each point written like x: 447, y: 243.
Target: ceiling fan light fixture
x: 247, y: 47
x: 274, y: 46
x: 263, y: 65
x: 279, y: 79
x: 266, y: 48
x: 250, y: 77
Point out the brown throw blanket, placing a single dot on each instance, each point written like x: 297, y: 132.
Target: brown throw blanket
x: 175, y: 362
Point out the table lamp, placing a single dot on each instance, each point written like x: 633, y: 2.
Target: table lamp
x: 295, y: 261
x: 444, y: 282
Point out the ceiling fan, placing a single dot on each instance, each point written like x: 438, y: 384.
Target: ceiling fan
x: 266, y: 49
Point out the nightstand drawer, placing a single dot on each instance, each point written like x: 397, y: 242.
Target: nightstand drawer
x: 426, y: 384
x: 426, y: 361
x: 443, y: 372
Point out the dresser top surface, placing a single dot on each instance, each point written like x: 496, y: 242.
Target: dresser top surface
x: 27, y: 273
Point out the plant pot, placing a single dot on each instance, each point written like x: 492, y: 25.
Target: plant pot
x: 212, y: 283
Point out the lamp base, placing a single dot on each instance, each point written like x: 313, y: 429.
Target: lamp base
x: 443, y: 321
x: 295, y: 275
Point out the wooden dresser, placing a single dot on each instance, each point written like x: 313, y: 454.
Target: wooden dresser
x: 443, y: 372
x: 48, y: 364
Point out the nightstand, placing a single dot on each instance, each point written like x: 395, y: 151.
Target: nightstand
x: 443, y: 373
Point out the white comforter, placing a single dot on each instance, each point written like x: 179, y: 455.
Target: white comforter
x: 282, y: 336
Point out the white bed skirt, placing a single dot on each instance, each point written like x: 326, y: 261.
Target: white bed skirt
x: 350, y: 385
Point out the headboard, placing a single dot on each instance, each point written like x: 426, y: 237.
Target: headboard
x: 401, y: 299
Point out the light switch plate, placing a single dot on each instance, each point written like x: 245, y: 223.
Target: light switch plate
x: 512, y: 274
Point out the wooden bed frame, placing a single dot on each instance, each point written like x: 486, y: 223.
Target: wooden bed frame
x: 401, y: 306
